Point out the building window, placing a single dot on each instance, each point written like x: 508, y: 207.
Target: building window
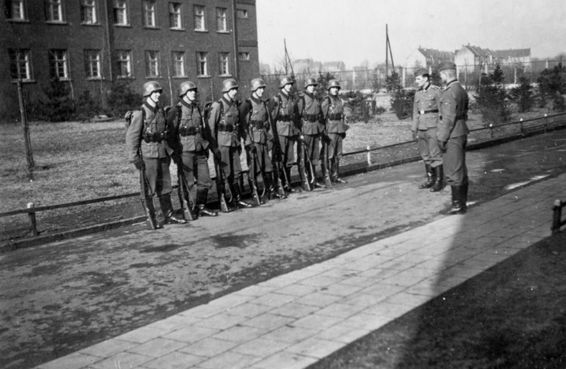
x: 200, y: 23
x: 221, y: 20
x: 178, y: 58
x: 244, y: 55
x: 20, y: 65
x: 120, y: 13
x: 175, y: 16
x: 149, y: 13
x: 88, y: 12
x: 15, y: 10
x: 124, y: 58
x: 58, y: 64
x: 202, y: 64
x: 54, y: 11
x: 224, y: 64
x: 151, y: 63
x: 242, y: 13
x: 92, y: 64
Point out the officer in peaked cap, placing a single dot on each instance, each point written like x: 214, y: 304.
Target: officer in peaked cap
x: 147, y: 142
x: 424, y: 128
x: 452, y: 136
x: 224, y: 122
x: 192, y: 141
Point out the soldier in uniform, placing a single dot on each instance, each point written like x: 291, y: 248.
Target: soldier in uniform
x: 224, y: 122
x: 424, y: 128
x: 333, y: 112
x: 284, y: 112
x: 452, y: 136
x: 192, y: 140
x: 147, y: 144
x: 314, y: 131
x: 254, y: 116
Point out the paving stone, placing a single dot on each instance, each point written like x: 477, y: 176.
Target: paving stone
x: 72, y: 361
x: 220, y: 321
x: 318, y: 299
x: 208, y: 347
x: 121, y: 360
x: 240, y: 333
x: 340, y: 289
x: 274, y: 299
x: 290, y: 334
x: 285, y: 360
x: 339, y: 310
x: 157, y: 347
x: 343, y: 332
x: 144, y: 334
x: 268, y: 321
x: 297, y: 289
x: 174, y: 360
x: 261, y: 347
x: 108, y: 348
x: 315, y: 347
x: 316, y: 321
x: 191, y: 334
x: 232, y: 360
x: 249, y: 309
x: 295, y: 310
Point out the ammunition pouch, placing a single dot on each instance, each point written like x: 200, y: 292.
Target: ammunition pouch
x: 337, y: 116
x: 188, y: 131
x: 257, y: 124
x: 223, y: 127
x: 311, y: 117
x: 284, y: 118
x: 154, y: 136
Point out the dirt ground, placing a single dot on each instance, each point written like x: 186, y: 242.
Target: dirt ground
x: 63, y: 296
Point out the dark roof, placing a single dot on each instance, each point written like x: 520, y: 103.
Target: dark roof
x: 512, y: 53
x: 436, y: 56
x: 478, y: 51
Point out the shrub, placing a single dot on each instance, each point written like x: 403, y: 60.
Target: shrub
x: 57, y: 105
x: 523, y: 95
x: 86, y: 106
x: 491, y: 98
x: 122, y: 98
x: 552, y: 84
x: 402, y: 103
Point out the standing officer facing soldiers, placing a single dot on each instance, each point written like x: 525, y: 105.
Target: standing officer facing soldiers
x: 424, y: 128
x: 191, y: 140
x: 452, y: 136
x: 224, y: 122
x: 148, y: 149
x: 313, y: 129
x: 254, y: 115
x: 284, y: 112
x: 333, y: 112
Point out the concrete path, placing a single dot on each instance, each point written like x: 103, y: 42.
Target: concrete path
x: 293, y: 320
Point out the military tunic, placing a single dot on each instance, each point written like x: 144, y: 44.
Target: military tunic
x: 425, y: 122
x: 285, y: 114
x: 312, y: 125
x: 453, y: 131
x: 149, y: 134
x: 224, y: 122
x: 333, y: 112
x: 192, y: 140
x: 254, y: 116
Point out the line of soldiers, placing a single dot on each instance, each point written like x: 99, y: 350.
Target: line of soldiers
x: 440, y: 129
x: 275, y: 134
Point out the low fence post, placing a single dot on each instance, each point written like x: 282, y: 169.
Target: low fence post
x: 556, y: 216
x: 545, y: 122
x: 368, y: 155
x: 521, y: 126
x: 32, y: 219
x: 490, y: 130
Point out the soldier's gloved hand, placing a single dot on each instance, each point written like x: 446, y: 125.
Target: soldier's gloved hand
x: 442, y: 145
x: 138, y: 162
x: 216, y: 154
x: 251, y: 148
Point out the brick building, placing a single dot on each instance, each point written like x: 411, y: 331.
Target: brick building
x: 90, y: 44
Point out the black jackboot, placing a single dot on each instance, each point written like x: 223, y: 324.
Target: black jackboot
x: 336, y: 171
x: 201, y: 199
x: 167, y: 210
x: 458, y: 204
x: 430, y: 177
x: 439, y: 179
x: 238, y: 197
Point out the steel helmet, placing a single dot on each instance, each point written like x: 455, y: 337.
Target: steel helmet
x: 150, y: 87
x: 229, y: 84
x: 257, y: 83
x: 421, y: 72
x: 286, y: 81
x: 310, y: 82
x: 185, y: 87
x: 333, y: 83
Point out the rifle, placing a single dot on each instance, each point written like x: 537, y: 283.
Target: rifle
x: 307, y: 159
x: 252, y: 168
x: 183, y: 191
x: 277, y: 156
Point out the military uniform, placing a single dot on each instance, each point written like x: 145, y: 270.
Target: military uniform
x: 312, y: 128
x: 333, y: 111
x: 224, y: 122
x: 192, y: 141
x: 425, y: 122
x: 452, y: 136
x: 284, y: 112
x: 148, y: 134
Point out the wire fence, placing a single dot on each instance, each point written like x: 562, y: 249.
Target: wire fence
x: 375, y: 79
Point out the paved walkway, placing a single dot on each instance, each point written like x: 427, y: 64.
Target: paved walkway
x: 295, y: 319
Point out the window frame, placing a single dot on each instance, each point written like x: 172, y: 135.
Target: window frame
x: 178, y: 62
x: 152, y: 63
x: 201, y: 16
x: 202, y: 64
x: 84, y: 7
x: 59, y: 62
x: 149, y: 8
x: 88, y: 53
x: 52, y: 6
x: 176, y: 14
x: 242, y: 13
x: 222, y: 20
x: 15, y: 59
x: 124, y: 61
x: 124, y: 10
x: 21, y: 11
x: 224, y: 64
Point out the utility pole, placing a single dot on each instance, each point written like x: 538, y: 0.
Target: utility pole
x: 24, y: 121
x: 388, y: 53
x: 235, y: 45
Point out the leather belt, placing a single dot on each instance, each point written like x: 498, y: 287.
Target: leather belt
x: 225, y: 128
x: 421, y: 112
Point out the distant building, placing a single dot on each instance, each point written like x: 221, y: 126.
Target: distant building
x: 333, y: 66
x: 301, y: 66
x: 513, y: 57
x: 90, y: 44
x: 471, y: 58
x: 427, y: 58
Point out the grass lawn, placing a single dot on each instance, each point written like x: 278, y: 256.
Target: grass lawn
x: 511, y: 316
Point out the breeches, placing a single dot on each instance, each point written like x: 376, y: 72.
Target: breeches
x: 157, y: 175
x: 455, y: 161
x: 428, y: 147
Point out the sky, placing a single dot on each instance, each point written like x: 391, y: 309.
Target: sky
x: 353, y: 31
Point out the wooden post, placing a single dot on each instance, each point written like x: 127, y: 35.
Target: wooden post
x: 556, y: 216
x: 25, y: 126
x: 32, y: 219
x: 368, y: 155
